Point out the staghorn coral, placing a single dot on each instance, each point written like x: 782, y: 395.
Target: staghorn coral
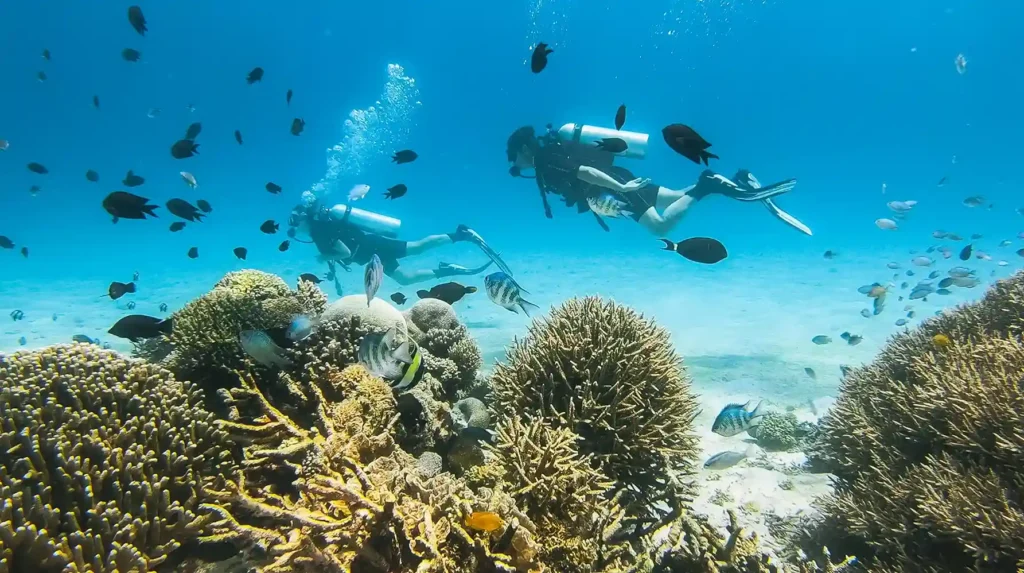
x: 604, y: 372
x: 101, y: 461
x: 927, y: 444
x: 352, y: 514
x: 559, y: 490
x: 205, y: 335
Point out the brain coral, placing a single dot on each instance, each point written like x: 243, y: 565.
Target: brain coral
x: 927, y: 443
x: 612, y: 377
x: 101, y: 461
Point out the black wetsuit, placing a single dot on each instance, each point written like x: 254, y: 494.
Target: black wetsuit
x: 557, y: 164
x: 363, y: 244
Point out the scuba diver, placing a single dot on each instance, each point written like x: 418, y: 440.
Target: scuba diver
x: 572, y: 163
x: 345, y: 235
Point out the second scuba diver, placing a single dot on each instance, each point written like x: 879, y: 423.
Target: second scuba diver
x: 571, y: 163
x: 346, y: 235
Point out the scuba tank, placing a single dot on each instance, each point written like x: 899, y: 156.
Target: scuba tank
x: 636, y: 143
x: 365, y: 220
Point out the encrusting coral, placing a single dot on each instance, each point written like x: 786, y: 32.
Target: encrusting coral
x: 607, y: 374
x: 927, y: 444
x: 777, y: 431
x: 360, y: 503
x: 453, y: 357
x: 102, y: 461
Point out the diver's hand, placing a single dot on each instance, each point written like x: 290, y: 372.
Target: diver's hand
x: 634, y: 185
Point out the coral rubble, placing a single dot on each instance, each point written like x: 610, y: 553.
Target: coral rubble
x: 927, y: 444
x: 607, y: 374
x: 102, y: 461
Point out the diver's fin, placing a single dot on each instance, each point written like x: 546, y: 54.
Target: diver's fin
x: 786, y: 217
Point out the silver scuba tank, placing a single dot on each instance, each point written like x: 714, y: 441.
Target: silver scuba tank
x: 636, y: 143
x: 366, y: 220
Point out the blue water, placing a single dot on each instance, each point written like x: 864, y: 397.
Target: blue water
x: 843, y: 98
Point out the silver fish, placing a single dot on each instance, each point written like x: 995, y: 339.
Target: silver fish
x: 608, y: 205
x: 736, y: 418
x: 189, y: 179
x: 727, y: 459
x: 974, y: 201
x: 966, y: 282
x: 923, y: 261
x: 960, y: 272
x: 901, y: 322
x: 373, y: 276
x: 504, y: 291
x: 259, y: 346
x: 821, y: 339
x: 886, y: 224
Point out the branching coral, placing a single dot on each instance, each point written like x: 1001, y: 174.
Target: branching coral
x: 101, y: 461
x: 604, y: 372
x: 349, y: 514
x: 927, y: 444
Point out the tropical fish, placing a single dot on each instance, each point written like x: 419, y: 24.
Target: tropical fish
x: 132, y: 180
x: 961, y: 64
x: 240, y: 252
x: 736, y: 418
x: 300, y: 327
x: 886, y: 224
x: 974, y: 201
x: 396, y: 191
x: 92, y: 176
x: 298, y: 124
x: 620, y: 117
x: 255, y: 75
x: 941, y: 340
x: 811, y: 373
x: 139, y: 326
x: 504, y: 291
x: 190, y: 180
x: 900, y: 206
x: 401, y: 367
x: 273, y: 188
x: 184, y: 148
x: 193, y: 130
x: 485, y: 521
x: 404, y: 156
x: 261, y: 348
x: 269, y: 227
x: 965, y: 253
x: 124, y: 205
x: 923, y: 261
x: 686, y: 142
x: 373, y: 276
x: 116, y: 290
x: 399, y: 298
x: 137, y: 20
x: 698, y: 249
x: 727, y: 459
x: 821, y: 339
x: 310, y: 277
x: 357, y: 192
x: 611, y: 144
x: 130, y: 55
x: 607, y: 205
x: 17, y: 315
x: 852, y: 339
x: 539, y: 58
x: 193, y: 253
x: 185, y: 210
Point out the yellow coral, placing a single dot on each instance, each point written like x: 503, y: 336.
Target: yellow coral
x: 606, y: 373
x: 102, y: 461
x: 928, y: 446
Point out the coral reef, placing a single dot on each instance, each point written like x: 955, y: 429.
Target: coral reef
x: 604, y: 372
x: 927, y: 445
x: 453, y: 357
x: 777, y: 431
x: 360, y: 503
x: 378, y: 316
x: 205, y: 336
x: 102, y: 461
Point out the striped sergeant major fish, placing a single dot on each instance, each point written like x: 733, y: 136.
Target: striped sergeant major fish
x: 401, y: 366
x: 506, y: 292
x: 737, y: 418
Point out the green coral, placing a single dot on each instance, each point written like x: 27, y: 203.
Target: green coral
x: 102, y: 461
x: 604, y: 372
x: 777, y: 431
x: 927, y: 445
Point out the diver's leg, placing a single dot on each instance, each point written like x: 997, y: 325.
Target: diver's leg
x: 661, y: 224
x: 427, y: 243
x: 406, y: 278
x: 668, y: 196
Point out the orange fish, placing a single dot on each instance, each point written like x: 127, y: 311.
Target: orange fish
x: 484, y: 521
x: 941, y: 340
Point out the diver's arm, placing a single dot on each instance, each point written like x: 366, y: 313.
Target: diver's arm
x: 601, y: 179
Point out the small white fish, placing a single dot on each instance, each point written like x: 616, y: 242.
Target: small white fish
x: 4, y: 145
x: 923, y: 261
x: 300, y: 328
x: 261, y: 348
x: 358, y: 192
x: 961, y: 64
x: 727, y: 459
x: 189, y: 178
x: 901, y: 206
x: 153, y: 112
x: 883, y: 188
x: 913, y: 49
x: 974, y: 201
x: 1003, y: 263
x: 886, y: 224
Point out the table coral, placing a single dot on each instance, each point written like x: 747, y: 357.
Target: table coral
x: 102, y: 461
x: 609, y: 375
